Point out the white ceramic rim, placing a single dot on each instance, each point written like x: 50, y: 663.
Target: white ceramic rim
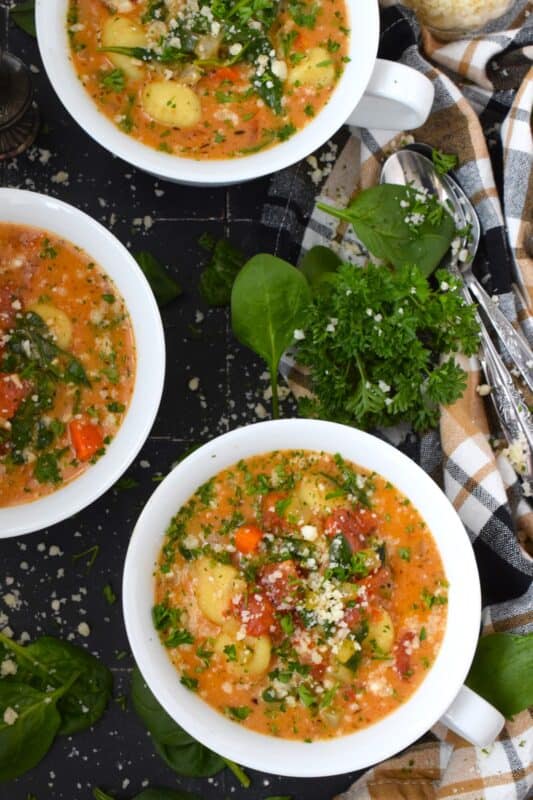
x: 279, y: 756
x: 55, y: 52
x: 40, y: 211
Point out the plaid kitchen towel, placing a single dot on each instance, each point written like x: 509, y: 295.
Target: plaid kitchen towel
x: 482, y: 111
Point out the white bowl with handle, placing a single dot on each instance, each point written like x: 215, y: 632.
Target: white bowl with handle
x: 37, y: 210
x: 440, y: 696
x: 371, y: 93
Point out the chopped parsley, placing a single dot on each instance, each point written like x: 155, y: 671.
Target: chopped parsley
x: 239, y: 712
x: 113, y: 80
x: 230, y: 651
x: 189, y: 683
x: 404, y: 553
x: 431, y: 600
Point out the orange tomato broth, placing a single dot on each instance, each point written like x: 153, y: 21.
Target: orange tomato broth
x: 79, y: 309
x: 235, y: 121
x: 303, y: 692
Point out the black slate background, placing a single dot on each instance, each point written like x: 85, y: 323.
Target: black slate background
x: 117, y: 754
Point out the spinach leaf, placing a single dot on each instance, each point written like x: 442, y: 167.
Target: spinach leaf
x: 268, y: 303
x: 151, y: 794
x: 176, y: 747
x: 164, y: 287
x: 192, y: 760
x: 318, y: 263
x: 394, y: 224
x: 216, y: 280
x: 181, y: 752
x: 23, y: 15
x: 52, y: 662
x: 502, y: 671
x: 163, y: 55
x: 28, y: 726
x: 32, y: 348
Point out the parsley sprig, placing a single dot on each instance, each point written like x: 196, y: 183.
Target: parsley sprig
x: 374, y: 341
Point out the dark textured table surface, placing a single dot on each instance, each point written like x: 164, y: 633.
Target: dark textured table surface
x: 56, y: 591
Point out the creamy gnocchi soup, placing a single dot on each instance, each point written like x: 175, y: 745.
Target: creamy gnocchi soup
x: 209, y: 78
x: 300, y: 596
x: 67, y: 362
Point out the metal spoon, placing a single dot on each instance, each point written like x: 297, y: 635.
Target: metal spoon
x: 416, y: 167
x: 517, y: 347
x: 406, y: 168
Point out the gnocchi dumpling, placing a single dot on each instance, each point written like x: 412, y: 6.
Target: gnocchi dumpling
x: 123, y: 32
x: 315, y: 69
x: 58, y: 322
x: 172, y: 103
x: 314, y: 494
x: 250, y: 656
x: 380, y: 635
x: 216, y: 585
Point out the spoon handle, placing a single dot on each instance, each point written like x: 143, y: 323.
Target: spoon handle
x: 511, y: 410
x: 519, y: 351
x: 510, y: 407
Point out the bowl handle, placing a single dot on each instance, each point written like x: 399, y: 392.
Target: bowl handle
x: 471, y: 717
x: 397, y: 98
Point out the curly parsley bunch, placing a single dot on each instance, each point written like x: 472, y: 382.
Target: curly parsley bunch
x: 373, y: 340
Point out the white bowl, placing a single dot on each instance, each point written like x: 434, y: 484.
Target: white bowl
x: 29, y: 208
x: 281, y: 756
x: 55, y: 52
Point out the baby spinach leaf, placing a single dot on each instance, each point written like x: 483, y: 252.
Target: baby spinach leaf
x: 23, y: 15
x: 192, y: 760
x: 52, y: 662
x: 398, y: 227
x: 216, y: 280
x: 318, y: 263
x: 181, y: 752
x: 164, y: 287
x: 160, y: 724
x: 28, y: 726
x: 268, y: 303
x: 502, y: 671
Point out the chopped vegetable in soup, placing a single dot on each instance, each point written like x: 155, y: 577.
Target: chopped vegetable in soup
x: 67, y: 362
x: 300, y: 595
x: 209, y: 78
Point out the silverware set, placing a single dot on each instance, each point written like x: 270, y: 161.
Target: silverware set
x: 411, y: 167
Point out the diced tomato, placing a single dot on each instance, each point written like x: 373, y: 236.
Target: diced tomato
x: 402, y: 657
x: 7, y: 312
x: 12, y: 393
x: 355, y: 525
x: 280, y: 582
x: 247, y: 538
x: 272, y: 519
x: 257, y: 614
x: 353, y: 617
x: 379, y: 582
x: 318, y: 670
x: 228, y: 74
x: 86, y: 438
